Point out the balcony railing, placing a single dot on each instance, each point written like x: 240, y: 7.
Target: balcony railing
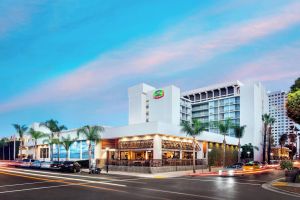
x: 155, y: 162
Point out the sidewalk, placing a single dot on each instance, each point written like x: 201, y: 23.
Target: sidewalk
x: 158, y: 175
x: 280, y: 186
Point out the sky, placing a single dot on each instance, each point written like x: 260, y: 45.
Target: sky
x: 74, y: 60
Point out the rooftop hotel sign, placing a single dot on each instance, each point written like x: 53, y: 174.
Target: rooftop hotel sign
x: 157, y: 94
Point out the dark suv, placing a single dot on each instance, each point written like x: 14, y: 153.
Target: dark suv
x: 70, y: 166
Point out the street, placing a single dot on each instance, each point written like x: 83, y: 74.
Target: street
x: 19, y: 184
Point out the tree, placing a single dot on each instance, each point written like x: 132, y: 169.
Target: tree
x: 224, y: 127
x: 3, y: 143
x: 21, y: 130
x: 35, y: 135
x: 267, y: 120
x: 293, y: 102
x: 271, y: 122
x: 282, y: 140
x: 67, y: 142
x: 51, y: 141
x: 296, y: 85
x: 248, y: 148
x: 55, y: 128
x: 239, y: 133
x: 91, y: 134
x: 193, y: 129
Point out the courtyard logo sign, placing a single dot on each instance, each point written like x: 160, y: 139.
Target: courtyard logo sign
x: 158, y: 94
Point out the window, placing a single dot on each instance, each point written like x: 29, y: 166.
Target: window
x: 44, y: 153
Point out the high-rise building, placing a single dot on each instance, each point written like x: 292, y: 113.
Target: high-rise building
x: 277, y: 109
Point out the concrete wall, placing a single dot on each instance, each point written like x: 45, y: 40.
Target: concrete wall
x: 167, y: 108
x: 254, y: 103
x: 137, y: 96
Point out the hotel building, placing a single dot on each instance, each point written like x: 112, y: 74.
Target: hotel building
x: 277, y: 109
x: 153, y: 136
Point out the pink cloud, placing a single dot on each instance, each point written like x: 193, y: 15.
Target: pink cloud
x: 275, y: 65
x: 152, y: 55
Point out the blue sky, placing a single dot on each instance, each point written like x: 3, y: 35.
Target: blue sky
x: 74, y: 60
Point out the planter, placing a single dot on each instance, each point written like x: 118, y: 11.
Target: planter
x: 291, y: 175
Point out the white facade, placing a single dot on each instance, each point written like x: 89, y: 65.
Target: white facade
x: 277, y: 109
x: 157, y: 113
x: 144, y: 107
x: 254, y: 103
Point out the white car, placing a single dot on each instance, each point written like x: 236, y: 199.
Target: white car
x: 45, y: 165
x: 26, y: 163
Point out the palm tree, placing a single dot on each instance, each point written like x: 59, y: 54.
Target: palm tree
x: 248, y: 148
x: 193, y: 129
x: 54, y: 127
x: 282, y: 140
x: 51, y: 141
x: 21, y: 131
x: 91, y: 134
x: 239, y: 133
x: 35, y: 135
x: 271, y: 122
x: 67, y: 142
x: 224, y: 127
x: 3, y: 143
x: 267, y: 119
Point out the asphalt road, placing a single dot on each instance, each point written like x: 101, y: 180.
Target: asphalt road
x: 23, y: 184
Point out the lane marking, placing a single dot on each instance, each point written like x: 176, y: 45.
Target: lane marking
x: 184, y: 194
x: 65, y: 178
x: 61, y: 181
x: 38, y: 188
x: 32, y: 183
x: 225, y: 181
x: 76, y: 175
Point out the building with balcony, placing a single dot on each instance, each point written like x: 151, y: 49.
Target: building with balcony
x: 153, y: 136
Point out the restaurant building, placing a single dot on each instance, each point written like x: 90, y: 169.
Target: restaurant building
x: 153, y: 141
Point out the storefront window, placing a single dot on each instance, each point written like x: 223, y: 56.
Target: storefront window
x: 75, y: 150
x: 171, y: 155
x: 85, y: 149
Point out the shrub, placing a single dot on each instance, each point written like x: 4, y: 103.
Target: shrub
x: 286, y: 164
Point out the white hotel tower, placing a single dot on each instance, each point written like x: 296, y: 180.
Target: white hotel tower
x: 277, y: 109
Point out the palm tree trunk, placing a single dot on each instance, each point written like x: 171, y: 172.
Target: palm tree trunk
x: 67, y: 155
x: 58, y: 151
x: 264, y: 143
x: 224, y: 152
x: 51, y: 155
x: 239, y: 151
x: 8, y: 150
x: 90, y: 156
x: 194, y: 155
x: 280, y: 151
x: 35, y: 149
x: 269, y: 149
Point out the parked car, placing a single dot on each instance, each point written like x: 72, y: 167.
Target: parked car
x: 70, y: 166
x: 56, y: 165
x: 36, y: 164
x: 26, y: 163
x: 45, y: 165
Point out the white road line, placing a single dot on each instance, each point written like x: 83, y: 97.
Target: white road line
x: 184, y: 194
x: 63, y: 178
x: 76, y: 175
x: 38, y: 188
x: 225, y: 181
x: 32, y: 183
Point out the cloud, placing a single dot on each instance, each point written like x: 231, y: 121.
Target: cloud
x: 276, y: 65
x: 158, y: 55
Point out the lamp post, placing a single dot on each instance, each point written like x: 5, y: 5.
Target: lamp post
x: 209, y: 166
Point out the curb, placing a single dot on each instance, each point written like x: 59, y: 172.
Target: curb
x: 268, y: 186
